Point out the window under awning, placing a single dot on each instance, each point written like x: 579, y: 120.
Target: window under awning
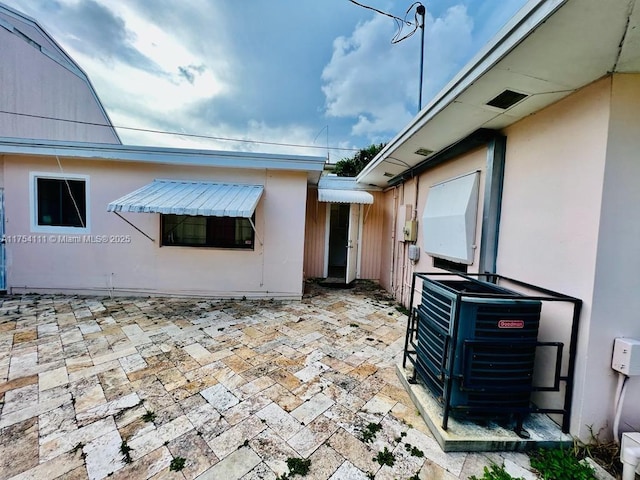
x: 344, y: 196
x: 179, y: 197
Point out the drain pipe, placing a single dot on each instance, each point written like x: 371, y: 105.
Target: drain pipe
x: 630, y: 455
x: 393, y: 240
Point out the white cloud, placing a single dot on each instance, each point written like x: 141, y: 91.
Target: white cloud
x: 376, y: 82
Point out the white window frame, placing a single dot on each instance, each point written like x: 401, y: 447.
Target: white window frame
x: 33, y: 202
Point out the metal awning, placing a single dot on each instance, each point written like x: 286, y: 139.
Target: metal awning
x: 180, y: 197
x: 344, y: 196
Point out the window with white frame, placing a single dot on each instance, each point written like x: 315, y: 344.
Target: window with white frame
x: 59, y: 203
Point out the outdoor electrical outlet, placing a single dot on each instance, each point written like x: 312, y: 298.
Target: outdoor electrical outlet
x: 626, y: 356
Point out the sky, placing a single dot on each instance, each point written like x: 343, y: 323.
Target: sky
x: 319, y: 75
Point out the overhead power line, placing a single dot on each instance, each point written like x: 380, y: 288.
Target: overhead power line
x: 400, y: 22
x: 398, y: 19
x: 189, y: 135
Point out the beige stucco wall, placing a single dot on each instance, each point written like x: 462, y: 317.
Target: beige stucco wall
x: 568, y: 224
x: 550, y: 224
x: 397, y: 266
x: 616, y: 298
x: 142, y: 266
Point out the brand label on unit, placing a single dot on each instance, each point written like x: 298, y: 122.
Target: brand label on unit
x: 511, y: 324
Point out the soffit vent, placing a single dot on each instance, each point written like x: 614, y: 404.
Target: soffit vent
x: 425, y: 152
x: 506, y: 99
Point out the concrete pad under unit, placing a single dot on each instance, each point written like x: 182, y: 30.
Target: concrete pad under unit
x: 468, y: 436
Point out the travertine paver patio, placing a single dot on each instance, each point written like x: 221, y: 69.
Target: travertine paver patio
x: 233, y: 387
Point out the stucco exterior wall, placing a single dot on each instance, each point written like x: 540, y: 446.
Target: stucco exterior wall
x: 549, y: 226
x: 35, y: 85
x: 400, y: 268
x: 616, y: 301
x: 142, y: 266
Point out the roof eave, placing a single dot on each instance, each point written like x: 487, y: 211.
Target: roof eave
x: 162, y: 155
x: 533, y: 14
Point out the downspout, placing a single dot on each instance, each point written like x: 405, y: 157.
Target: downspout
x: 492, y: 204
x: 393, y: 239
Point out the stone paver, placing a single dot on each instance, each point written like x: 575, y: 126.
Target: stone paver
x: 234, y: 388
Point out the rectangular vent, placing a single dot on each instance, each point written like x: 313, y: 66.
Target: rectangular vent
x: 506, y: 99
x: 425, y: 152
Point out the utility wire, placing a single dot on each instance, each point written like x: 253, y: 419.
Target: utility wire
x: 165, y: 132
x: 400, y: 22
x: 397, y: 19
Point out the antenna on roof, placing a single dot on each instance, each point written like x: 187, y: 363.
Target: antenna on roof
x: 420, y: 10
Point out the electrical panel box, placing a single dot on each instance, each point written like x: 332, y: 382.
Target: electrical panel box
x: 626, y: 356
x: 410, y: 231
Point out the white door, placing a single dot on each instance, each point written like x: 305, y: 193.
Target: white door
x: 352, y: 242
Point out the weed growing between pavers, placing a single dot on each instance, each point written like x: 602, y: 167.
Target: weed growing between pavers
x: 177, y: 464
x: 385, y: 457
x: 125, y: 450
x: 368, y: 433
x: 414, y: 451
x: 297, y: 466
x: 149, y: 416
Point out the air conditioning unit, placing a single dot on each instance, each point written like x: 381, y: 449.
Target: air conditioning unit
x: 476, y: 346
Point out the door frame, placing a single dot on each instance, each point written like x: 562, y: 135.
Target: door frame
x: 327, y: 233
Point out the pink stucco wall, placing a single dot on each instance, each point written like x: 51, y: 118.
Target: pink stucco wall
x: 568, y: 224
x: 616, y: 298
x: 398, y: 268
x: 142, y: 266
x: 550, y: 222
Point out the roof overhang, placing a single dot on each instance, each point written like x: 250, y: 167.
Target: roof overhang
x: 550, y: 49
x: 178, y: 197
x: 165, y: 156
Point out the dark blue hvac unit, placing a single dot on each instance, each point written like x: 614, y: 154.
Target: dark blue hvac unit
x: 476, y: 346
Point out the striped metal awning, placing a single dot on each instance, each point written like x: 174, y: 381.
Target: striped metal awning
x: 180, y: 197
x: 329, y: 195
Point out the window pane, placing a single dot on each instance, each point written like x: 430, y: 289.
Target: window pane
x: 220, y: 232
x: 184, y: 230
x: 61, y: 203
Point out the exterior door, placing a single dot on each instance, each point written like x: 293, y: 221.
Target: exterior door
x: 352, y: 242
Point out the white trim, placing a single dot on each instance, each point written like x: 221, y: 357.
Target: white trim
x: 359, y: 242
x: 524, y: 23
x: 327, y: 231
x: 162, y: 155
x: 33, y: 214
